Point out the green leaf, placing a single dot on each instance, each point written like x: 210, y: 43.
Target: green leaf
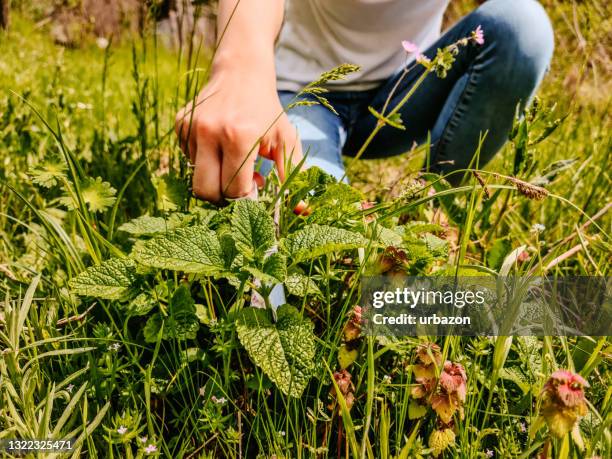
x: 276, y: 266
x: 284, y: 350
x: 141, y: 305
x: 274, y: 269
x: 150, y: 226
x: 172, y: 192
x: 97, y: 195
x: 416, y: 410
x: 316, y: 240
x: 252, y: 228
x: 300, y: 285
x: 181, y: 321
x: 110, y: 280
x: 193, y: 250
x: 437, y: 246
x: 49, y: 173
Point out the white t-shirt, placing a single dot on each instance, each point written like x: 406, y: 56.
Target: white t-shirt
x: 318, y: 35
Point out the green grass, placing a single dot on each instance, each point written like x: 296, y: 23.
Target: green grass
x: 93, y: 369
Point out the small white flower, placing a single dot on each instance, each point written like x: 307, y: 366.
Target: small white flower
x: 121, y: 430
x: 114, y: 347
x: 522, y: 427
x: 84, y: 106
x: 143, y: 439
x: 387, y: 379
x: 69, y: 388
x: 102, y: 42
x: 537, y: 228
x: 281, y: 433
x: 202, y: 391
x: 219, y: 401
x: 489, y: 453
x: 150, y: 449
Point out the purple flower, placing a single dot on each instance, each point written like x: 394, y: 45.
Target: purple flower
x: 478, y: 36
x: 150, y: 449
x: 409, y: 47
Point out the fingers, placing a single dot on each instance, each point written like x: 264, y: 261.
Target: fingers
x: 206, y: 180
x: 238, y: 165
x: 285, y: 150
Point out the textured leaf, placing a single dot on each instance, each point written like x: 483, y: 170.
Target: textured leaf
x: 316, y: 240
x: 437, y: 246
x: 110, y: 280
x: 300, y: 285
x: 276, y: 266
x: 252, y: 228
x: 141, y: 305
x: 150, y: 226
x: 193, y: 250
x: 284, y: 350
x: 181, y: 321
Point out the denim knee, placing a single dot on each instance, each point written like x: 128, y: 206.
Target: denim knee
x: 521, y: 42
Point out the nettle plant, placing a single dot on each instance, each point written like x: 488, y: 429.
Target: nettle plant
x: 240, y: 249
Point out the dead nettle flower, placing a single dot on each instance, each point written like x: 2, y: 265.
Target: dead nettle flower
x: 429, y: 358
x: 523, y: 257
x: 451, y: 392
x: 346, y: 388
x: 393, y: 261
x: 446, y: 393
x: 352, y: 329
x: 440, y: 440
x: 365, y: 205
x: 563, y: 401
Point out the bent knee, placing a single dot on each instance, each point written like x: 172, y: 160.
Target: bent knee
x: 522, y: 34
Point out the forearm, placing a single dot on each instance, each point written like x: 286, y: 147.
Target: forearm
x: 247, y: 30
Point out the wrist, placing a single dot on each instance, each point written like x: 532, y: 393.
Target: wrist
x: 244, y: 63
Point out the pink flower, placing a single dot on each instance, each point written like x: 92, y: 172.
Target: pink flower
x: 409, y: 47
x: 423, y: 59
x: 564, y: 402
x: 478, y: 36
x: 569, y: 387
x: 453, y: 379
x: 150, y: 449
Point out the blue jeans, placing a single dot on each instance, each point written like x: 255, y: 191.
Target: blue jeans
x: 479, y: 96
